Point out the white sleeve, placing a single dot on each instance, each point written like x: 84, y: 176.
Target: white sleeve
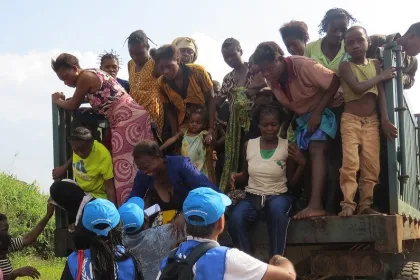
x: 241, y: 266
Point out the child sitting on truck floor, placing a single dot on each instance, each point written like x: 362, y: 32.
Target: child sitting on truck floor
x: 361, y: 81
x: 149, y: 245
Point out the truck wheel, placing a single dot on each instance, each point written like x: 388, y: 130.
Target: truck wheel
x: 408, y: 271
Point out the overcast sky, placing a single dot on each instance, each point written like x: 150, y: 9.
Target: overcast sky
x: 33, y: 32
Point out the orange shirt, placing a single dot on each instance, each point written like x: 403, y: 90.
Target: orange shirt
x: 146, y: 92
x: 307, y: 82
x: 199, y: 84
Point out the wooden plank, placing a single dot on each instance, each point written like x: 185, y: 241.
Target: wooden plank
x: 386, y: 232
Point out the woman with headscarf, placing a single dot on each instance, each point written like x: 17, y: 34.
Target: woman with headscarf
x: 188, y: 49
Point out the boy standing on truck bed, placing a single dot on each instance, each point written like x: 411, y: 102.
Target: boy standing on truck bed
x: 361, y: 81
x: 410, y: 43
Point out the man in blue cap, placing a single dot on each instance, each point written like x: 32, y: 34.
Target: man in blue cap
x: 149, y: 245
x: 204, y: 211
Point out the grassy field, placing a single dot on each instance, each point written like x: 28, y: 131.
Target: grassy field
x: 24, y: 206
x: 49, y: 269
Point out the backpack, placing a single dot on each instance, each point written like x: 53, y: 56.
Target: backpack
x: 182, y: 269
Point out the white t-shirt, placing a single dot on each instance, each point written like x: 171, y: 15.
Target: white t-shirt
x: 239, y: 265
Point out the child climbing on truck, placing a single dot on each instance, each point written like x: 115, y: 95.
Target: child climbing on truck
x: 361, y: 81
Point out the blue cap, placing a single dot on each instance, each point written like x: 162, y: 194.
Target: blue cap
x: 100, y: 211
x: 132, y: 217
x: 137, y: 200
x: 205, y: 203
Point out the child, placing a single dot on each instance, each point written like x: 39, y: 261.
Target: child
x: 329, y: 50
x: 110, y: 63
x: 295, y: 37
x: 193, y: 143
x: 149, y: 245
x: 5, y: 265
x: 361, y: 81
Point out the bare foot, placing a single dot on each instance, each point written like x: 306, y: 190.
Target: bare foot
x: 369, y: 211
x: 309, y: 212
x: 346, y: 212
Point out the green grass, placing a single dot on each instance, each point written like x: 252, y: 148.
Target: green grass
x: 25, y: 206
x: 49, y: 269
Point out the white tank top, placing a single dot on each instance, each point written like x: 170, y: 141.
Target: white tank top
x: 267, y: 176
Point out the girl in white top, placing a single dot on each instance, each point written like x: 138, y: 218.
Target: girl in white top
x: 266, y: 173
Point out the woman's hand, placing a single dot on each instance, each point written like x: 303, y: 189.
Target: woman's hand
x: 314, y: 122
x: 209, y: 137
x: 296, y: 155
x: 178, y: 227
x: 57, y: 96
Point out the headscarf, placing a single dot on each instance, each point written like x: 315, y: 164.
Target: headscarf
x: 187, y: 43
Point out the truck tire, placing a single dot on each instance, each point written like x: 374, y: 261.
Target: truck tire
x: 408, y: 271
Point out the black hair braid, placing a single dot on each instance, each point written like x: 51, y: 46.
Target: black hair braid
x: 109, y: 55
x: 333, y: 14
x: 269, y: 110
x: 105, y: 254
x: 139, y: 37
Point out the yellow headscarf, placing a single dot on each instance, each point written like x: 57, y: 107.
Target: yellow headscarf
x: 187, y: 43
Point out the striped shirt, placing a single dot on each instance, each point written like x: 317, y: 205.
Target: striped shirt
x: 5, y: 265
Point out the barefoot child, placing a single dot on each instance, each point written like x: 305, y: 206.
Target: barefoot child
x: 361, y: 80
x: 193, y: 143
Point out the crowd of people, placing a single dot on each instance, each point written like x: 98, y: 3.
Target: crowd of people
x: 183, y: 150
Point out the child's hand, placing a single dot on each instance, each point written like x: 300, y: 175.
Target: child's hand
x: 388, y: 74
x: 390, y: 131
x: 27, y: 271
x: 296, y: 155
x: 179, y: 134
x: 208, y: 140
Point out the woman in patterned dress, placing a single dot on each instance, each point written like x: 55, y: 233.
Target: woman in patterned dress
x: 143, y: 77
x: 238, y: 87
x: 129, y: 122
